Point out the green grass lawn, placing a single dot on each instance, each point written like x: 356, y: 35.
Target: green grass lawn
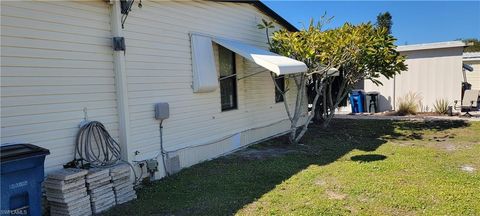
x: 360, y: 167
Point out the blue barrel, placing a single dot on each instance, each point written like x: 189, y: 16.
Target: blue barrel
x: 22, y: 175
x: 357, y: 101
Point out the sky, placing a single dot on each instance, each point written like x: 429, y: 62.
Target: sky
x: 413, y: 21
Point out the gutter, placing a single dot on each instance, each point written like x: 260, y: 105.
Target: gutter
x: 261, y: 6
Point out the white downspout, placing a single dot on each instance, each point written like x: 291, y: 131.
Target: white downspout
x: 121, y: 84
x: 394, y: 92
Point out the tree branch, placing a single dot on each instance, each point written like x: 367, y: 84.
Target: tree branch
x: 285, y: 102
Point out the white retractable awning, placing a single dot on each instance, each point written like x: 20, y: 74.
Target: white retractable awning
x: 278, y: 64
x: 203, y: 62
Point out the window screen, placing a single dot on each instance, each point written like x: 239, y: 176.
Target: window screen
x: 280, y: 80
x: 228, y: 79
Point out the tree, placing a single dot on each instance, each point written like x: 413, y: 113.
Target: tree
x: 311, y: 47
x: 372, y: 54
x: 474, y: 45
x: 355, y: 52
x: 384, y: 20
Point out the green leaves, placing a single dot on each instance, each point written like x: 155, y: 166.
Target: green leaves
x: 361, y: 51
x: 384, y: 23
x: 265, y: 24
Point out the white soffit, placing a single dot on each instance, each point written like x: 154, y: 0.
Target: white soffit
x: 278, y: 64
x: 427, y: 46
x: 203, y: 63
x: 471, y: 56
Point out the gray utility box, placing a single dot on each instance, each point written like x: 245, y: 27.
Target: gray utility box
x: 371, y: 101
x: 162, y: 111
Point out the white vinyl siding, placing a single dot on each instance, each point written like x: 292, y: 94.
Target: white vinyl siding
x: 159, y: 70
x: 474, y: 76
x: 56, y: 60
x: 434, y: 74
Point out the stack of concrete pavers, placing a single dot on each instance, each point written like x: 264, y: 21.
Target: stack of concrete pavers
x: 122, y: 183
x: 100, y: 189
x: 67, y: 194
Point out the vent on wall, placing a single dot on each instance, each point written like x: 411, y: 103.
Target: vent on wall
x: 173, y: 164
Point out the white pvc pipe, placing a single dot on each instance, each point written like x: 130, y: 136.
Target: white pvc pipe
x: 121, y: 83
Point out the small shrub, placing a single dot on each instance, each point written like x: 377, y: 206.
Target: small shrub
x: 409, y: 104
x: 441, y: 106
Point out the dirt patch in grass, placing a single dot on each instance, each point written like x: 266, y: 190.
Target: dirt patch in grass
x: 468, y: 168
x: 399, y: 212
x: 352, y: 210
x: 446, y: 142
x: 320, y: 182
x: 448, y: 147
x: 334, y: 195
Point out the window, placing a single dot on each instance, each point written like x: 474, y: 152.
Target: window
x: 280, y: 80
x: 228, y: 79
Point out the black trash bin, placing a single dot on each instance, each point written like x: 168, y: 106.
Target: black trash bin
x: 371, y: 102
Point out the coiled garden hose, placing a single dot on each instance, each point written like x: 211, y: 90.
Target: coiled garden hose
x: 96, y: 147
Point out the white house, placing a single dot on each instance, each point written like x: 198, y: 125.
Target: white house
x: 473, y: 60
x: 57, y: 61
x: 434, y: 71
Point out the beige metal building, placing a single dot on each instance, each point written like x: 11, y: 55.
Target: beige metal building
x: 473, y: 77
x: 57, y: 60
x: 434, y: 71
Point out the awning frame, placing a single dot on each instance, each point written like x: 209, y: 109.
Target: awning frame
x: 278, y: 64
x: 205, y: 74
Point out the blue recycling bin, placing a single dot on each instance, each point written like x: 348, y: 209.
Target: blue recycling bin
x: 22, y: 175
x: 357, y: 101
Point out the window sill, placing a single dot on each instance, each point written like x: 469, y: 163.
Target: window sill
x: 229, y: 109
